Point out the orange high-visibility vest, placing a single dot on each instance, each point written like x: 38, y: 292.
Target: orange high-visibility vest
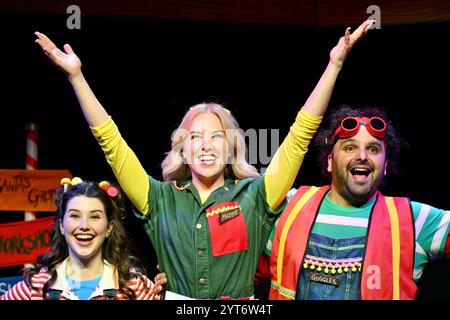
x: 388, y: 263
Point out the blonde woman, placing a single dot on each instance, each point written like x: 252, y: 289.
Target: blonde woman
x: 211, y: 216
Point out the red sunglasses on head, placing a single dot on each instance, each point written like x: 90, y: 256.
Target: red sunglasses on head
x: 350, y: 126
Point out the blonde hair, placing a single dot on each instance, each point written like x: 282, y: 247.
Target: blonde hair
x: 173, y: 167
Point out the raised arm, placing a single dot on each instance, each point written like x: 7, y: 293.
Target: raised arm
x: 284, y: 167
x: 317, y: 102
x: 69, y: 62
x: 124, y: 163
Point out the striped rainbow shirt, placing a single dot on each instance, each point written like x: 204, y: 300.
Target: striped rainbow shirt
x: 431, y: 227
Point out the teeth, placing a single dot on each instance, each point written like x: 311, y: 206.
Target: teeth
x: 84, y: 237
x: 207, y: 158
x: 364, y: 171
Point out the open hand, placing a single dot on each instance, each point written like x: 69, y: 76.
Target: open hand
x: 341, y: 50
x: 67, y: 61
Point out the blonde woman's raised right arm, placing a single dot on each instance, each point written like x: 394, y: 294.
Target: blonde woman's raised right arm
x: 69, y: 62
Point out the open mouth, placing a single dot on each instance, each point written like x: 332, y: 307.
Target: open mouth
x: 360, y: 173
x: 84, y: 238
x: 208, y: 159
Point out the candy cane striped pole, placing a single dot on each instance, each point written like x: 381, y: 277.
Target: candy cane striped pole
x: 32, y: 156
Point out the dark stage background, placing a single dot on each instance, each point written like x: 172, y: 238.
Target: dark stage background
x: 148, y: 72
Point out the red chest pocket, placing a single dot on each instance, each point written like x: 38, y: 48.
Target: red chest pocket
x: 227, y: 228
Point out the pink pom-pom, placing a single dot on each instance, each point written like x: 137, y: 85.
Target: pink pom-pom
x: 112, y: 192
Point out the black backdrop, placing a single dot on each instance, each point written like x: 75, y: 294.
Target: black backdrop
x: 147, y: 73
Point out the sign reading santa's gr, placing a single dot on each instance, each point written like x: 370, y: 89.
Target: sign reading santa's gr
x: 29, y: 190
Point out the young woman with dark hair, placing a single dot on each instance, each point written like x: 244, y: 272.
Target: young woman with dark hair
x: 89, y: 256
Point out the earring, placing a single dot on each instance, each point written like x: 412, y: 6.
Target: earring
x: 230, y: 159
x: 183, y: 157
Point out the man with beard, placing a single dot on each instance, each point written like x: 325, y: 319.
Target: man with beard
x: 347, y: 241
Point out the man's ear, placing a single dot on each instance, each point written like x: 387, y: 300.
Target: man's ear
x: 330, y: 162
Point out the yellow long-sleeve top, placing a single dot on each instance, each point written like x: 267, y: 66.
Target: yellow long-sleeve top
x: 209, y: 248
x: 278, y: 179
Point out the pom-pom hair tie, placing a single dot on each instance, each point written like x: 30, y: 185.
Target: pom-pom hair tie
x: 104, y: 185
x: 110, y: 190
x: 66, y: 182
x: 76, y: 180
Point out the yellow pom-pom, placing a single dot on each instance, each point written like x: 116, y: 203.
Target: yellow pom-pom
x: 65, y: 181
x: 76, y: 180
x: 104, y: 185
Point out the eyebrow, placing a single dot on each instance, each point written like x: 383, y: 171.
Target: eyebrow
x: 352, y: 140
x: 199, y: 132
x: 79, y: 211
x: 377, y: 143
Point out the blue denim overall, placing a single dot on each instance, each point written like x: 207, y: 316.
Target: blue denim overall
x: 331, y: 260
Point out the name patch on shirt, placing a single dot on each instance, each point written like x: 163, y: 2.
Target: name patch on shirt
x: 226, y: 211
x: 321, y: 278
x: 229, y: 214
x: 228, y: 230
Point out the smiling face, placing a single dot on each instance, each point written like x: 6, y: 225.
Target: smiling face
x: 85, y: 227
x: 357, y: 166
x: 205, y: 149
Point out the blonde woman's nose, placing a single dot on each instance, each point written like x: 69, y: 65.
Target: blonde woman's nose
x: 206, y: 144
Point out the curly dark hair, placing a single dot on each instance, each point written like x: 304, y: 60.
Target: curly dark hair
x: 115, y: 248
x: 393, y: 140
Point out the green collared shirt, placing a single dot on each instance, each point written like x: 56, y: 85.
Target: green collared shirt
x: 180, y: 231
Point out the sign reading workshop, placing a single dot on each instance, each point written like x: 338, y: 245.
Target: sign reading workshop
x: 27, y: 190
x: 22, y: 242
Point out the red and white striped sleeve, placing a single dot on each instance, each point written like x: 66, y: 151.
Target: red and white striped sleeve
x: 20, y: 291
x: 143, y: 288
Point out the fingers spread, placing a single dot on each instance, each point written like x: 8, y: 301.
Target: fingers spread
x: 45, y: 43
